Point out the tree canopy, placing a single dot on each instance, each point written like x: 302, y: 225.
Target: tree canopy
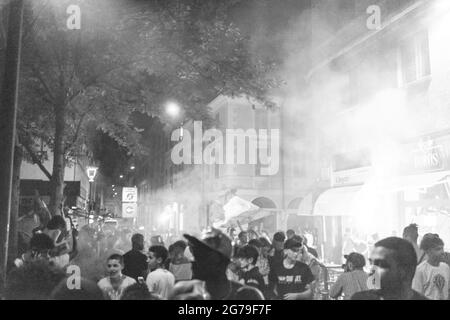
x: 128, y: 56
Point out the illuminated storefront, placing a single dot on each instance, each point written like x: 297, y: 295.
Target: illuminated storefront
x: 425, y: 186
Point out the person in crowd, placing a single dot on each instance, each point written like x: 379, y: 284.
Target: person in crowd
x: 41, y: 246
x: 180, y: 266
x: 393, y: 266
x: 312, y: 262
x: 110, y: 248
x: 135, y: 261
x: 211, y: 258
x: 263, y: 261
x: 348, y: 243
x: 250, y: 275
x: 138, y: 291
x: 276, y: 256
x: 310, y: 249
x: 25, y: 226
x: 353, y: 280
x: 88, y: 290
x: 290, y: 234
x: 252, y: 235
x: 411, y: 234
x: 446, y: 258
x: 170, y: 255
x: 35, y: 280
x: 243, y: 238
x: 242, y: 241
x: 432, y: 276
x: 115, y: 283
x: 87, y: 259
x: 255, y: 243
x: 293, y: 277
x: 159, y: 281
x: 65, y: 242
x: 232, y: 235
x: 157, y: 241
x: 265, y: 234
x: 56, y: 229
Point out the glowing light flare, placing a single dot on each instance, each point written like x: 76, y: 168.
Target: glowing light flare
x: 363, y: 209
x: 173, y: 109
x: 382, y: 117
x: 163, y: 218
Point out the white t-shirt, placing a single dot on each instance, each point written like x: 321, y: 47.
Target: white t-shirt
x: 160, y: 282
x: 108, y: 290
x: 432, y: 281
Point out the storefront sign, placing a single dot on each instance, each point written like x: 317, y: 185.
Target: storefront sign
x: 349, y: 177
x: 427, y: 155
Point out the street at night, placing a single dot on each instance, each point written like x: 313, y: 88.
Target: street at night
x: 225, y: 150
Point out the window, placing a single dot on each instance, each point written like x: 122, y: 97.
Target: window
x: 414, y: 55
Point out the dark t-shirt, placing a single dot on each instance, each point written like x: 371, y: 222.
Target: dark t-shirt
x: 255, y: 279
x: 135, y: 264
x: 274, y: 260
x: 376, y: 295
x: 292, y: 280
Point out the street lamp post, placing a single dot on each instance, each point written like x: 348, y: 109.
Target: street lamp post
x: 91, y: 172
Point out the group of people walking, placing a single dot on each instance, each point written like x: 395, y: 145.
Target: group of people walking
x: 217, y: 266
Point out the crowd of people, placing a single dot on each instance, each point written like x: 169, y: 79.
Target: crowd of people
x: 121, y: 265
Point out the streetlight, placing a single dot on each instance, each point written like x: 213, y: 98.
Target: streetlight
x: 121, y: 176
x: 173, y: 109
x: 132, y: 167
x: 91, y: 173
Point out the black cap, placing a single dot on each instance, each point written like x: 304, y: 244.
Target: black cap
x: 292, y: 243
x: 215, y: 240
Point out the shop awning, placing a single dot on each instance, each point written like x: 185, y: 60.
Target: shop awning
x: 306, y: 205
x: 338, y: 202
x: 415, y: 181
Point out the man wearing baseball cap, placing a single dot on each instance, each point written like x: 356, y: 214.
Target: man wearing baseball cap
x: 293, y: 277
x: 353, y: 280
x: 211, y: 258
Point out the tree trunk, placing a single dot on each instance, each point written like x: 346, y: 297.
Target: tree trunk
x: 15, y: 200
x: 57, y: 182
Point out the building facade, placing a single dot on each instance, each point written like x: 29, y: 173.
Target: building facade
x: 380, y: 100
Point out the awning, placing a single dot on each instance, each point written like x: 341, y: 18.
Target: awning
x: 338, y: 202
x: 414, y: 181
x: 306, y: 205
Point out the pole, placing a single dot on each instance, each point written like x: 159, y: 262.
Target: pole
x: 283, y: 217
x: 8, y: 115
x: 203, y: 195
